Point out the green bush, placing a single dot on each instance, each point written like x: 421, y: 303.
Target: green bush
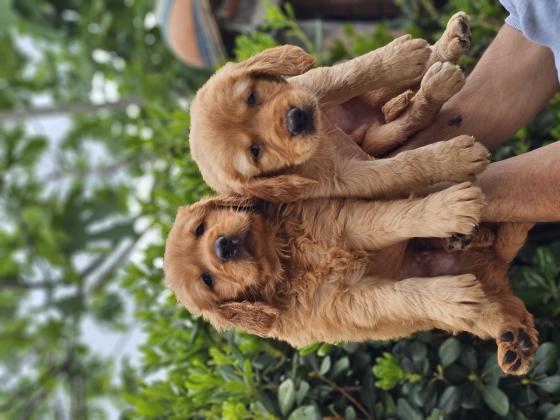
x: 190, y: 371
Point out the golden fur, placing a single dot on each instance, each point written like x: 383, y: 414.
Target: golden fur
x: 343, y: 269
x: 244, y: 141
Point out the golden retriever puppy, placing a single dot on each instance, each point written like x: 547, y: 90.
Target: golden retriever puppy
x: 253, y: 132
x: 343, y: 269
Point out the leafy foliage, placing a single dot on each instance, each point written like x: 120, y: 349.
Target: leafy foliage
x: 433, y: 376
x: 68, y: 228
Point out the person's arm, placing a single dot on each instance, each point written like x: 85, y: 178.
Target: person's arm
x: 513, y: 81
x: 525, y: 188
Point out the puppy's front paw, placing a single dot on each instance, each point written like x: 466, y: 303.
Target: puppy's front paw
x: 457, y: 209
x: 455, y: 41
x: 464, y: 158
x: 442, y: 81
x: 463, y: 296
x: 516, y: 347
x: 405, y: 58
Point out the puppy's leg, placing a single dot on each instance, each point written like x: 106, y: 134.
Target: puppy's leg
x: 401, y: 61
x: 517, y: 338
x: 510, y: 238
x: 376, y: 225
x: 391, y: 308
x: 507, y: 320
x: 454, y: 42
x: 455, y: 160
x: 441, y: 82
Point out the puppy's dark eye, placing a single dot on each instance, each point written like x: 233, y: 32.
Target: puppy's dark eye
x: 207, y: 278
x: 255, y: 150
x: 251, y: 99
x: 199, y: 231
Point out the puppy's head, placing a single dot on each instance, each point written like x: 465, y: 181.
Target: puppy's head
x: 217, y: 261
x: 249, y: 125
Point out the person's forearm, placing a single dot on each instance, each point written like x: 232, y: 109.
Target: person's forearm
x: 525, y: 188
x: 511, y: 83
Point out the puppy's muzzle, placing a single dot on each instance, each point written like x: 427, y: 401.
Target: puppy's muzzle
x: 300, y: 121
x: 225, y: 248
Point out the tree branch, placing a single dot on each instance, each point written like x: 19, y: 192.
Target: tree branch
x: 343, y: 392
x: 118, y: 260
x: 17, y: 283
x: 75, y: 108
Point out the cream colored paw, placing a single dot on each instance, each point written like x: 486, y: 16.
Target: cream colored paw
x: 455, y: 41
x: 456, y: 209
x: 406, y: 58
x: 464, y: 158
x: 462, y: 296
x: 442, y: 81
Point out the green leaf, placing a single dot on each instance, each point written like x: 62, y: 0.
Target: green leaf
x: 340, y: 366
x: 496, y: 399
x: 547, y: 262
x: 325, y: 365
x: 526, y: 397
x: 553, y: 413
x: 301, y: 391
x: 550, y: 384
x: 266, y: 401
x: 450, y: 399
x: 406, y: 412
x: 324, y: 349
x: 312, y: 348
x: 546, y: 357
x: 468, y: 358
x: 349, y: 413
x: 416, y: 350
x: 388, y: 371
x: 436, y: 415
x: 306, y: 412
x: 286, y: 396
x: 449, y: 351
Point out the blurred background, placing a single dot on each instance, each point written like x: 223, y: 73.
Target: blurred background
x: 93, y: 165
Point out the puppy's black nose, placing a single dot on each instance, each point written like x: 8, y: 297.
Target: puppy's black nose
x: 298, y: 121
x: 225, y: 248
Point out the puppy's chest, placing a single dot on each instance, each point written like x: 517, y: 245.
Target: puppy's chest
x: 319, y: 259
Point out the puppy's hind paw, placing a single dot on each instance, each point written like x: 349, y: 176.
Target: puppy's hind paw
x: 455, y: 41
x: 442, y: 81
x: 516, y: 347
x: 405, y: 58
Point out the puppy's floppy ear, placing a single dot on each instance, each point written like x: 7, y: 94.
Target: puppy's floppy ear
x: 286, y: 60
x: 253, y: 317
x: 279, y: 189
x: 234, y: 201
x: 239, y: 202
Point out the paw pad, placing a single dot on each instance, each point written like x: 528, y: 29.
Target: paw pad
x: 515, y: 351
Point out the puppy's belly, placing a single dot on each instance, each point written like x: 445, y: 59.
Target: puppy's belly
x: 388, y: 262
x: 431, y: 263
